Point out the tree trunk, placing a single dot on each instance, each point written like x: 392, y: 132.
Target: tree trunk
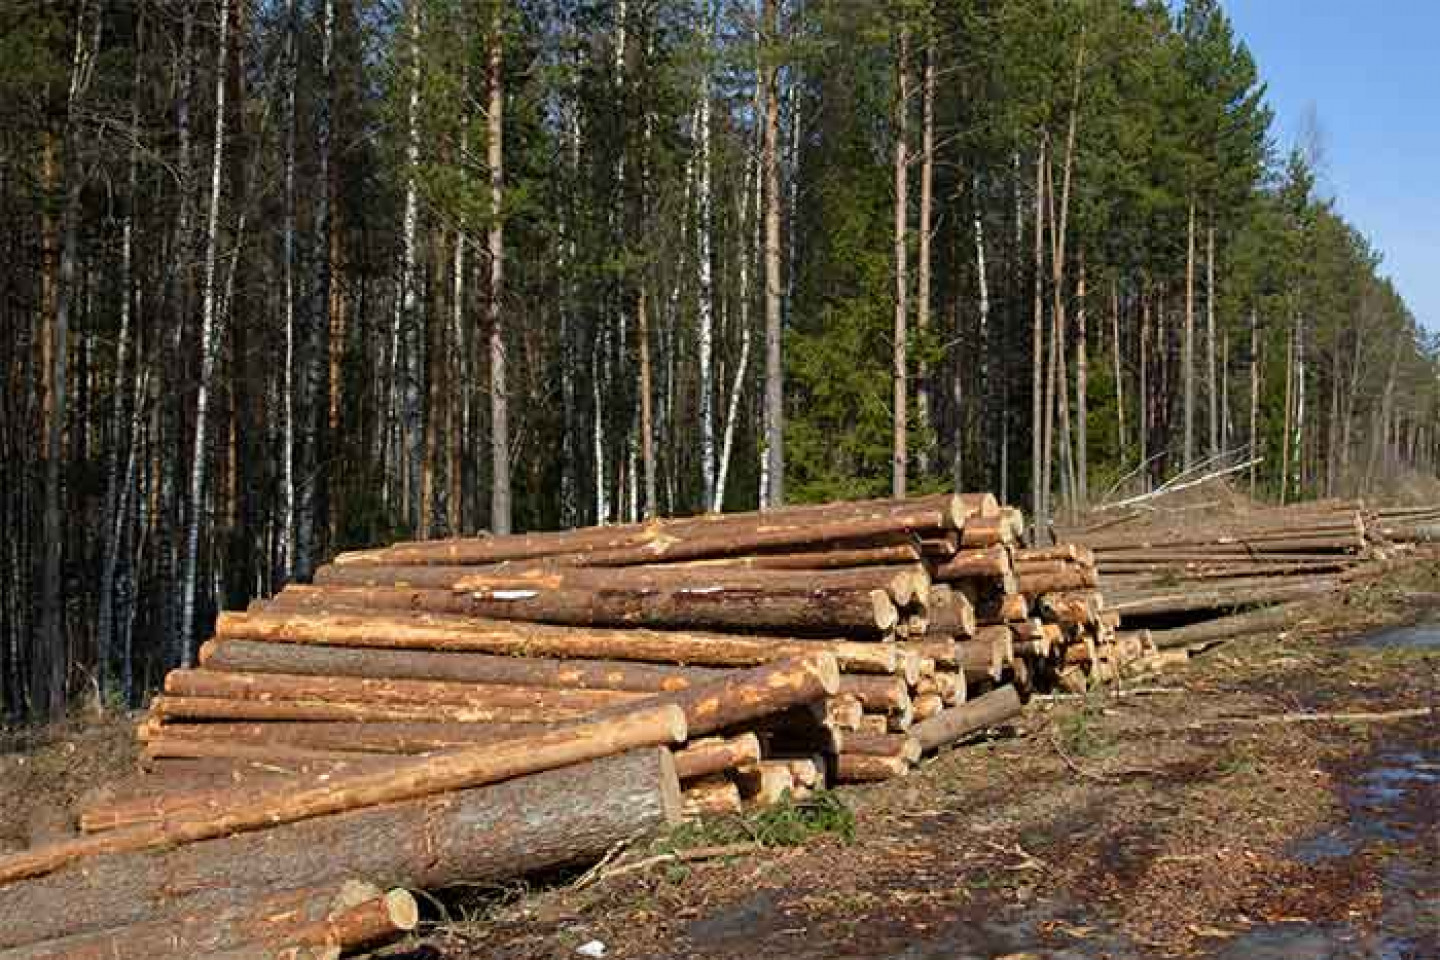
x: 900, y: 457
x: 1255, y: 451
x: 1212, y: 381
x: 774, y: 445
x: 1041, y: 529
x: 406, y: 340
x: 499, y: 397
x: 705, y: 295
x: 1121, y: 440
x: 1082, y: 399
x: 286, y: 546
x: 200, y: 454
x: 571, y: 816
x: 922, y: 279
x: 1187, y: 361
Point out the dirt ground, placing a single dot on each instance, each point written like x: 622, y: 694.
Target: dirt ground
x: 1179, y: 816
x: 1188, y: 820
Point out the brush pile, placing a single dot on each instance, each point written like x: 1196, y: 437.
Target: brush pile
x: 471, y: 710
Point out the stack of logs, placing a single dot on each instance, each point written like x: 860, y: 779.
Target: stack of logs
x: 769, y: 654
x: 1199, y: 576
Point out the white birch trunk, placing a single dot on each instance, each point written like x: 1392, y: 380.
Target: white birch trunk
x: 287, y: 383
x: 199, y: 460
x: 499, y: 398
x: 900, y: 456
x: 705, y: 294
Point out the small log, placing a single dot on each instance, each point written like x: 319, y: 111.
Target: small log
x: 901, y: 745
x: 716, y: 754
x: 326, y: 738
x: 878, y: 694
x: 981, y: 532
x: 980, y: 660
x: 940, y: 650
x: 1263, y: 620
x: 807, y: 772
x: 950, y: 725
x: 459, y: 769
x: 975, y: 564
x: 868, y: 768
x: 1071, y: 578
x: 711, y: 797
x: 355, y: 711
x: 572, y: 815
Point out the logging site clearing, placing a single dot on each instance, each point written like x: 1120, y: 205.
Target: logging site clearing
x: 872, y: 730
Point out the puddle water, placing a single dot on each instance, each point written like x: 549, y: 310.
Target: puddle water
x: 1424, y: 635
x: 1394, y: 802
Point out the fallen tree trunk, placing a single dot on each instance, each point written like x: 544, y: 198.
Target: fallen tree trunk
x: 1140, y: 602
x: 475, y: 836
x: 354, y: 711
x: 459, y: 769
x: 435, y: 632
x: 956, y: 722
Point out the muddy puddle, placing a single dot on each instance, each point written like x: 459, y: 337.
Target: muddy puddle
x: 1424, y: 635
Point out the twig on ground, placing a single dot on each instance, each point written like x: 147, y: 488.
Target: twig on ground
x: 683, y: 856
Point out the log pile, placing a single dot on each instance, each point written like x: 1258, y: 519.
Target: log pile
x: 1199, y: 576
x: 415, y: 696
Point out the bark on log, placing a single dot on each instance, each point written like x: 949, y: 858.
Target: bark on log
x: 950, y: 725
x: 822, y: 559
x: 436, y: 632
x: 458, y: 769
x: 475, y: 836
x: 980, y: 660
x: 710, y: 756
x: 983, y: 532
x: 949, y: 612
x: 253, y: 656
x: 1071, y: 578
x: 1135, y: 603
x: 268, y: 919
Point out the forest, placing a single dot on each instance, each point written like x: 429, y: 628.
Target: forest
x: 288, y: 277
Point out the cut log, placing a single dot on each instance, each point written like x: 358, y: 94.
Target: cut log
x: 878, y: 694
x: 949, y: 612
x: 256, y: 657
x: 459, y: 769
x: 983, y: 532
x: 873, y: 724
x: 843, y: 712
x: 975, y: 564
x: 980, y: 660
x: 227, y: 685
x: 950, y: 725
x: 437, y: 632
x: 356, y: 711
x: 716, y: 754
x: 1263, y: 620
x: 901, y: 745
x: 745, y: 695
x: 824, y: 559
x: 269, y: 920
x: 473, y: 836
x: 868, y: 768
x: 1071, y: 578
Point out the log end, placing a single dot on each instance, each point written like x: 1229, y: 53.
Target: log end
x: 886, y: 616
x: 827, y: 670
x: 402, y: 910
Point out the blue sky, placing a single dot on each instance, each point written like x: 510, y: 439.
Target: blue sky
x: 1370, y: 70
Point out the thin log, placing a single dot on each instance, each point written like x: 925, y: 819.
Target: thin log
x: 714, y: 755
x: 951, y: 725
x: 868, y: 768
